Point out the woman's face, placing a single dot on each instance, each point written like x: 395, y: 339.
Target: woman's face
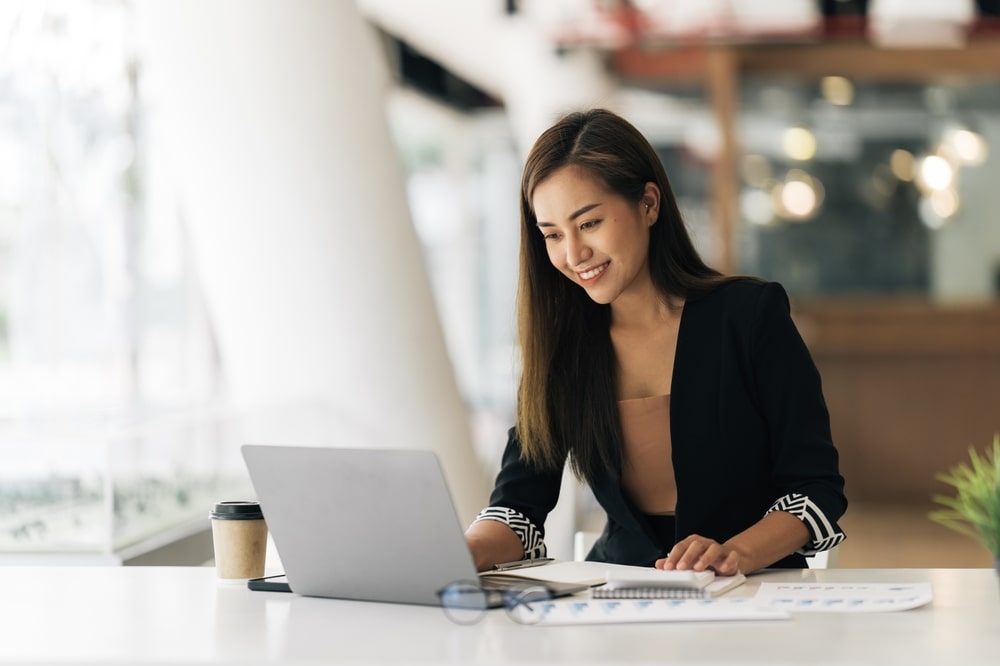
x: 594, y: 236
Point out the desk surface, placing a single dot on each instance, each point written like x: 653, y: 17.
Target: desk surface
x: 182, y: 615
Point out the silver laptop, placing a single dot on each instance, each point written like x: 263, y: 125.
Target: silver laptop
x: 366, y: 524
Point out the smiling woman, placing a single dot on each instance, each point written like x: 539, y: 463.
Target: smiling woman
x: 686, y: 399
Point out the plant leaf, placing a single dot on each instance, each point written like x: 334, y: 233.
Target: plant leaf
x: 974, y: 510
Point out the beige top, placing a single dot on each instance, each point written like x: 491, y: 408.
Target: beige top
x: 647, y: 470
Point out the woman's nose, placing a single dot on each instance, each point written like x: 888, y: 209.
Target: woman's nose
x: 577, y: 252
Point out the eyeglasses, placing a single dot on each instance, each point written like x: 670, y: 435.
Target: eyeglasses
x: 465, y: 602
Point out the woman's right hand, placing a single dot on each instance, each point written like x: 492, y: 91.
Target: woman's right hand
x: 699, y: 553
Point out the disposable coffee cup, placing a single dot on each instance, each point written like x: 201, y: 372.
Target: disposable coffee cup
x: 239, y: 538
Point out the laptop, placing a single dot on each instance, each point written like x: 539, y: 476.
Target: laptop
x: 364, y: 524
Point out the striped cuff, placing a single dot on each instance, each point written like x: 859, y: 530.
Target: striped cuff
x: 526, y: 531
x: 824, y: 535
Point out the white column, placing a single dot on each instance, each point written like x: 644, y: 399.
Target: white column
x: 515, y: 58
x: 512, y: 57
x: 540, y: 85
x: 273, y: 117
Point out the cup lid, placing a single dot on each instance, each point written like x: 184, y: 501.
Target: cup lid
x: 237, y: 510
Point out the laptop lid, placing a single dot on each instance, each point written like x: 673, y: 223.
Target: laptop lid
x: 365, y: 524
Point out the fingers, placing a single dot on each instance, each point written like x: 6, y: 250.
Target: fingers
x: 694, y: 552
x: 698, y: 553
x: 729, y: 566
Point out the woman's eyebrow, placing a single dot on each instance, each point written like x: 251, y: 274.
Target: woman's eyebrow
x: 575, y: 214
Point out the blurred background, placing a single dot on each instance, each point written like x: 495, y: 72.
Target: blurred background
x: 296, y: 222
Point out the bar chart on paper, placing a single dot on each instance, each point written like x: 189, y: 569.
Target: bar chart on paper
x: 614, y: 611
x: 844, y: 597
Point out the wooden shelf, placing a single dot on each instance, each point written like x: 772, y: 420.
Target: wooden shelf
x: 896, y: 327
x: 689, y: 62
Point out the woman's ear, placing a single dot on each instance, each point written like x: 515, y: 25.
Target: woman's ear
x: 651, y: 203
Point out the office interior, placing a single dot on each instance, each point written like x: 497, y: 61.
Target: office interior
x: 245, y: 221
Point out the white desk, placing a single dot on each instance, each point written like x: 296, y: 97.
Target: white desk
x: 182, y: 615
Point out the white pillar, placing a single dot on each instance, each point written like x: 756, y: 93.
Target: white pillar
x: 540, y: 84
x: 515, y: 58
x: 273, y: 117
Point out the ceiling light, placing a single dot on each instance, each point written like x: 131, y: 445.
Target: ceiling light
x: 935, y: 173
x: 799, y: 199
x: 944, y: 202
x: 757, y: 206
x: 968, y: 146
x: 902, y: 164
x: 799, y: 143
x: 837, y: 90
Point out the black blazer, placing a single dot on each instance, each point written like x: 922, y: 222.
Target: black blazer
x: 748, y: 426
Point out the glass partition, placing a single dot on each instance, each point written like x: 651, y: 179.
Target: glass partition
x: 861, y: 189
x: 105, y: 491
x: 92, y: 490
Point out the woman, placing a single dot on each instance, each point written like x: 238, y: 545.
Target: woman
x: 685, y: 399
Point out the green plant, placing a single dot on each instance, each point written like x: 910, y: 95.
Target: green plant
x: 975, y: 508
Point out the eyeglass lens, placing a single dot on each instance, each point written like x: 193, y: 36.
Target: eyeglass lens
x: 527, y: 605
x: 463, y: 602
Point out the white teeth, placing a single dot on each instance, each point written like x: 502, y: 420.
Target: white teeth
x: 593, y: 272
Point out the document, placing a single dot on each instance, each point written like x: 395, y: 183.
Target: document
x: 614, y: 611
x: 560, y: 571
x: 843, y: 597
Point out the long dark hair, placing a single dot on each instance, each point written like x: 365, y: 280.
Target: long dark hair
x: 566, y: 398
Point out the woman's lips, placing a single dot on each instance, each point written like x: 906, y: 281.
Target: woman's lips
x: 592, y: 273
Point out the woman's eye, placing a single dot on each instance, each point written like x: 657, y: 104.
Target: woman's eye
x: 589, y: 224
x: 551, y: 236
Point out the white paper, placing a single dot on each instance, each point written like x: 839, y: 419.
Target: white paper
x: 844, y: 597
x: 567, y: 571
x: 651, y: 577
x: 559, y: 571
x: 612, y: 611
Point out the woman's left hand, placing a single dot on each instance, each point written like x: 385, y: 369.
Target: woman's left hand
x: 698, y: 553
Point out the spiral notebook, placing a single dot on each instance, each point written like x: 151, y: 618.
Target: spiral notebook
x: 659, y: 584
